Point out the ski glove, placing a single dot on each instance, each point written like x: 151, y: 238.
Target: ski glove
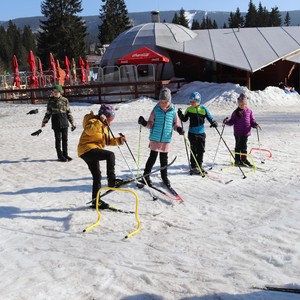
x: 214, y: 124
x: 73, y: 127
x: 37, y: 133
x: 180, y: 114
x: 180, y: 130
x: 225, y: 120
x: 142, y: 121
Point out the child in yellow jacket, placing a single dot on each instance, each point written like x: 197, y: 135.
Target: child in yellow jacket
x: 91, y: 148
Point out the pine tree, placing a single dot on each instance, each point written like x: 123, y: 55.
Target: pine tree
x: 251, y: 15
x: 236, y: 20
x: 195, y: 25
x: 182, y: 19
x: 275, y: 17
x: 4, y: 50
x: 63, y: 32
x: 15, y: 46
x: 175, y: 19
x: 214, y: 24
x: 287, y: 19
x: 262, y: 18
x: 115, y: 20
x: 28, y: 39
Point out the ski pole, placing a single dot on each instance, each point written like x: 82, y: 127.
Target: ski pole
x: 122, y: 135
x: 105, y: 122
x: 186, y: 148
x: 194, y: 157
x: 259, y: 145
x: 230, y: 151
x: 138, y: 165
x: 223, y: 126
x: 139, y: 150
x: 139, y: 171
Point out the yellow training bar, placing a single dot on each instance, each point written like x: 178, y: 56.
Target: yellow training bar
x: 233, y: 163
x: 135, y: 213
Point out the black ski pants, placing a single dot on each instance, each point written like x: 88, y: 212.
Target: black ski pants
x: 92, y: 159
x: 240, y: 147
x: 163, y: 157
x: 197, y: 142
x: 61, y: 142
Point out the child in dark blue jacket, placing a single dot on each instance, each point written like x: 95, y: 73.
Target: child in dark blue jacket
x: 197, y: 114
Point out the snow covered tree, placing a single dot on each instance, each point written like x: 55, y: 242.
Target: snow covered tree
x: 115, y: 20
x: 63, y: 32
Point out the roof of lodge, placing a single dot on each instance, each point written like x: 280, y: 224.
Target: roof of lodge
x: 249, y: 49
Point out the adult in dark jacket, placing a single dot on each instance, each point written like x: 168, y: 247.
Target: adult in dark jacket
x: 58, y: 110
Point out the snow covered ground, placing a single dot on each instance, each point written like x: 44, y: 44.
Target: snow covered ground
x: 217, y: 244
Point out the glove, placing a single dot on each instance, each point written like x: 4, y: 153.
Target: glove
x: 214, y: 124
x: 37, y: 132
x: 43, y: 125
x: 225, y: 120
x: 180, y: 130
x: 142, y: 121
x: 122, y: 138
x: 257, y: 126
x: 73, y: 127
x: 180, y: 114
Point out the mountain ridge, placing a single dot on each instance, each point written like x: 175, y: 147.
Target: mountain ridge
x: 137, y: 18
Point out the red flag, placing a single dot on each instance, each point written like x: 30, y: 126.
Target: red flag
x: 42, y: 77
x: 15, y: 66
x: 67, y: 66
x: 33, y: 80
x: 82, y: 70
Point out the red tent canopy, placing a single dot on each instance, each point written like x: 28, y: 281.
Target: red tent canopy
x: 142, y: 56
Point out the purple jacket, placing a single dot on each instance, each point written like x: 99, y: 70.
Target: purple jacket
x: 242, y: 125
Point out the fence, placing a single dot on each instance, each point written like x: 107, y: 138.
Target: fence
x: 103, y: 84
x: 109, y: 74
x: 96, y: 93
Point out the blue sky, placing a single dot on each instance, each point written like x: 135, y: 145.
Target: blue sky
x: 13, y: 9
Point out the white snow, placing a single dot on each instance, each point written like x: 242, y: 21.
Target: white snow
x: 220, y: 241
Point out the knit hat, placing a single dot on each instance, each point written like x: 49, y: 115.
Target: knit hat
x: 165, y: 94
x: 107, y: 110
x: 58, y: 88
x: 242, y: 97
x: 195, y: 96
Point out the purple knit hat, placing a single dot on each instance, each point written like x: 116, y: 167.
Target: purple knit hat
x: 106, y: 110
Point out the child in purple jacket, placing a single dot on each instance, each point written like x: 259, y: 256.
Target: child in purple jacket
x: 242, y: 120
